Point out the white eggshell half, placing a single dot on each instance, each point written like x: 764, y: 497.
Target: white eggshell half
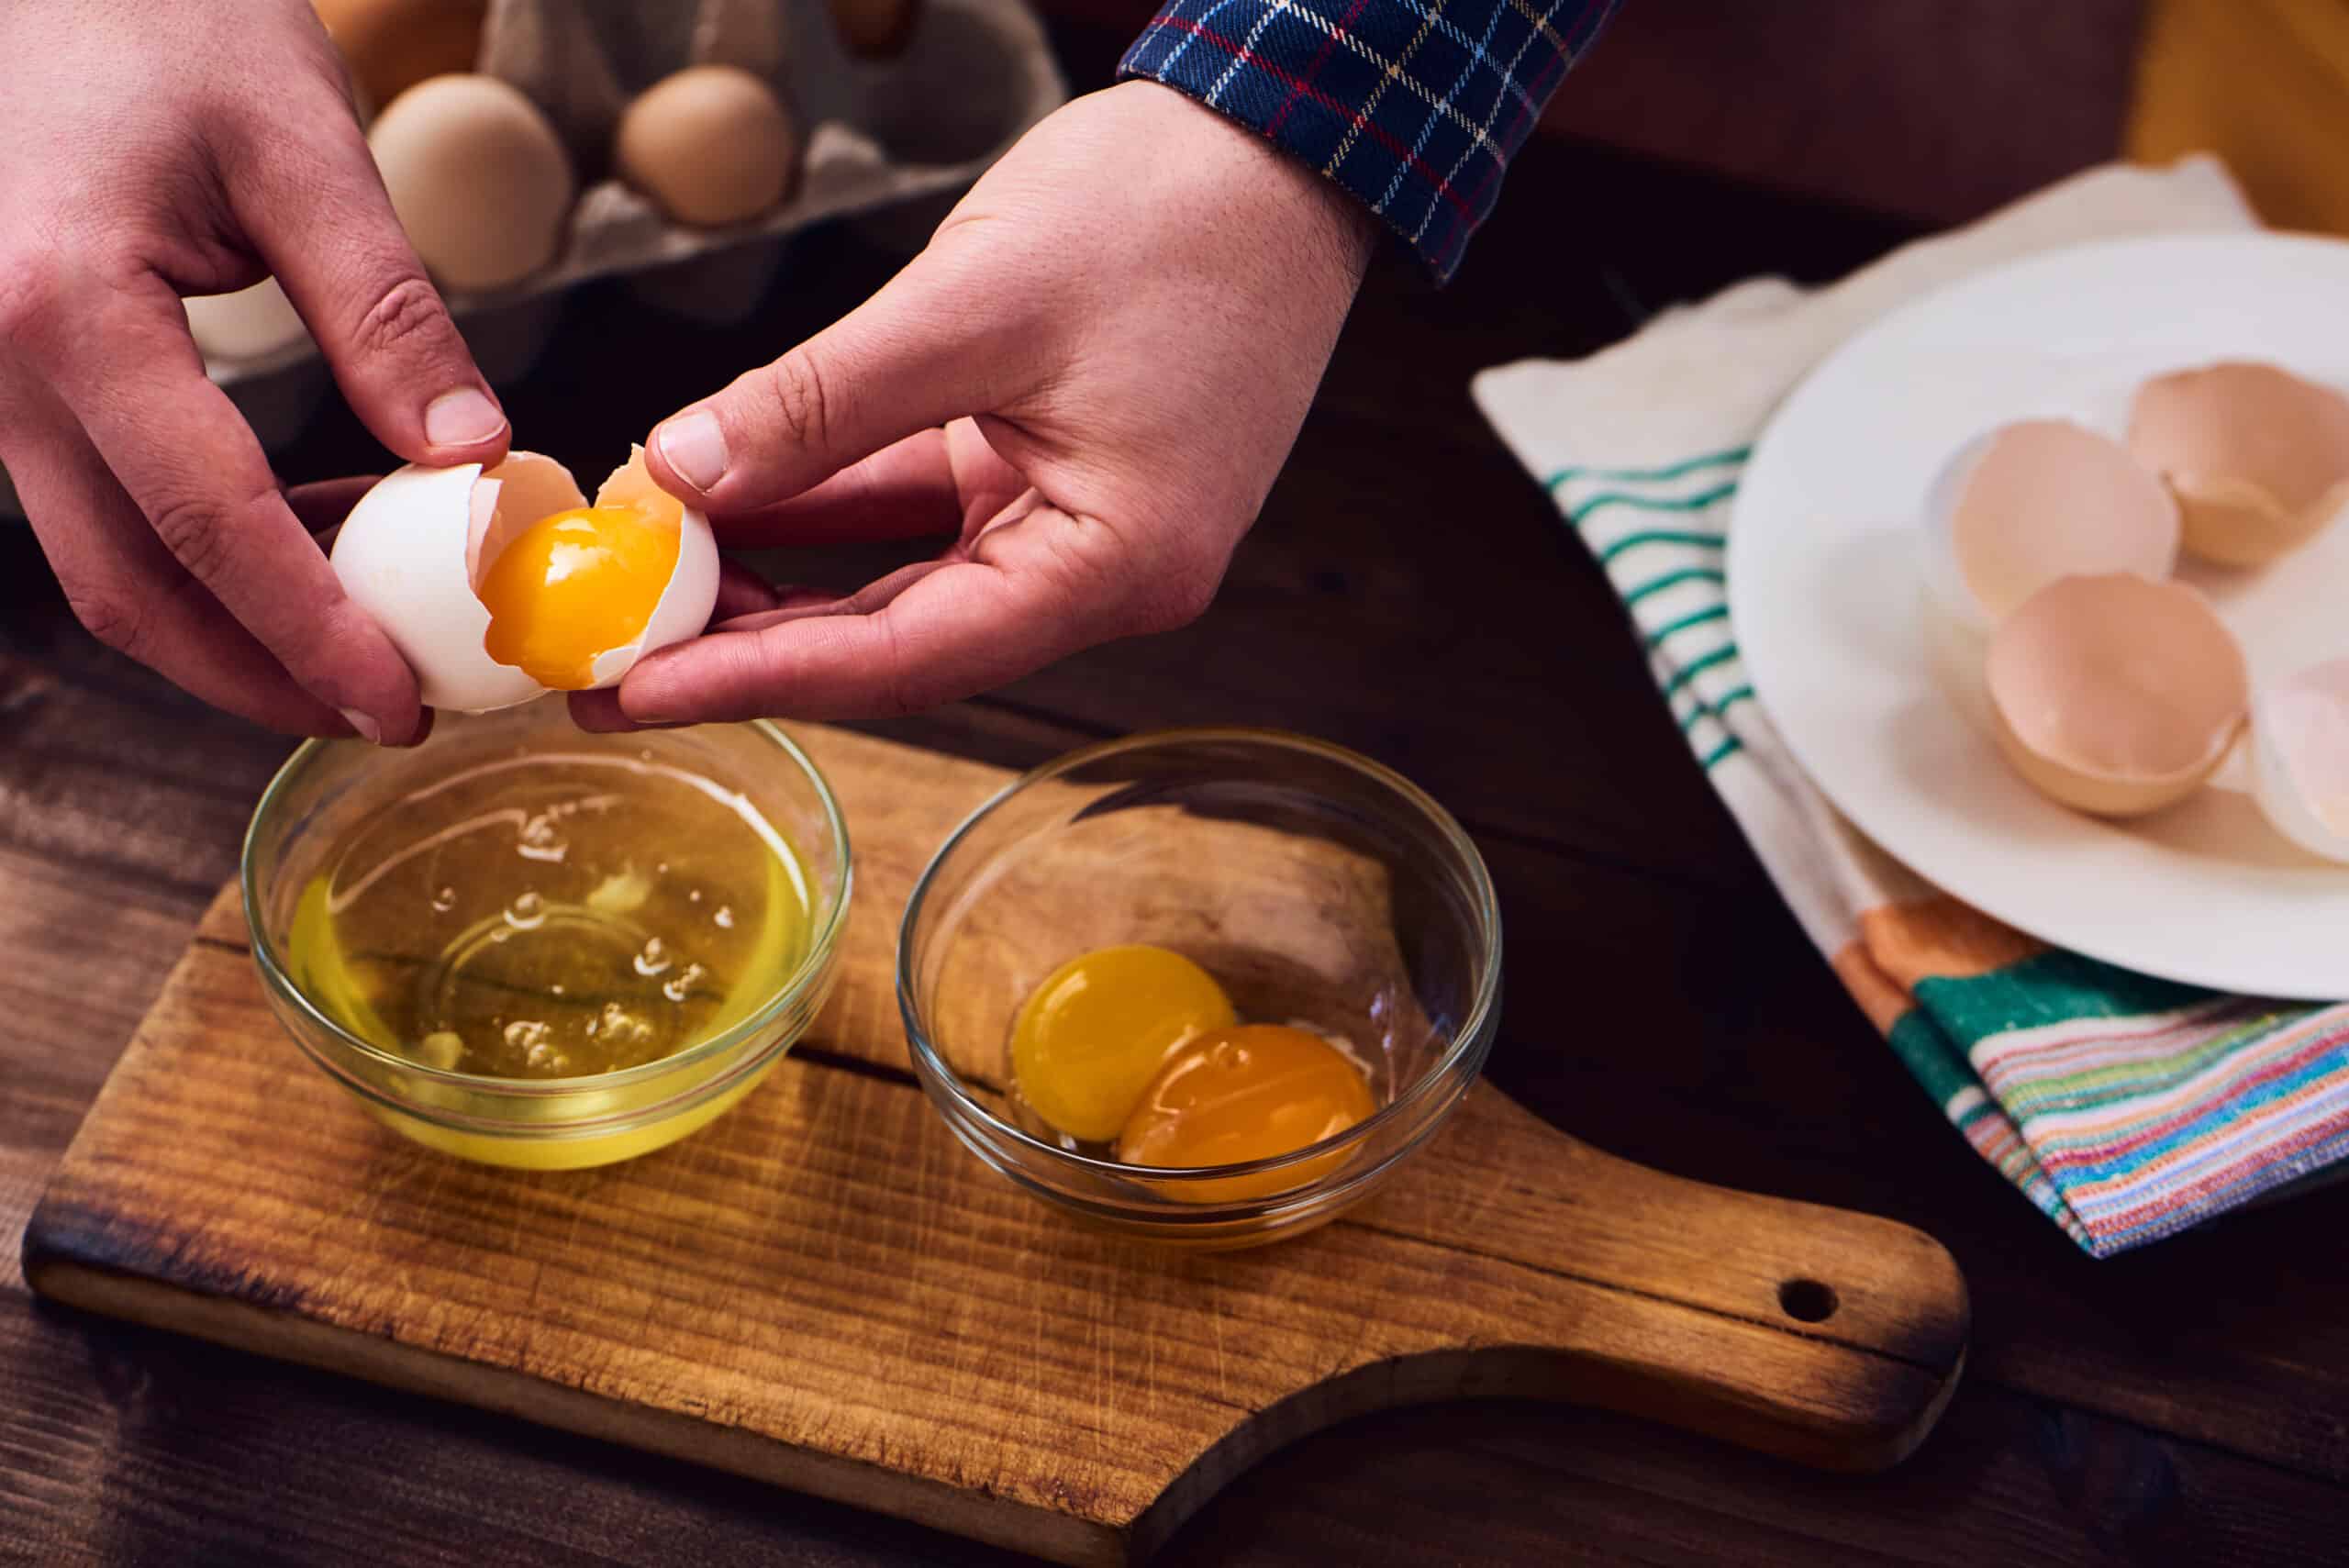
x: 409, y: 553
x: 2301, y: 758
x: 684, y: 605
x: 2025, y: 504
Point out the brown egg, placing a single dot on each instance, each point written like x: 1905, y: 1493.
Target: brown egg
x: 2115, y: 694
x: 2257, y: 457
x: 477, y: 177
x: 711, y: 145
x: 392, y: 45
x: 876, y: 29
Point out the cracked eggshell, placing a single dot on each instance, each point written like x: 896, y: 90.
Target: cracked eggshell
x: 2025, y: 504
x: 2299, y: 732
x: 2257, y: 457
x: 2115, y: 694
x: 411, y: 552
x: 685, y: 607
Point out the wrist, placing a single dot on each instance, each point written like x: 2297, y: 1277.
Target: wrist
x: 1334, y: 228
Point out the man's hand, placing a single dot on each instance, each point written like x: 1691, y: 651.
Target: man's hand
x: 1089, y: 379
x: 148, y: 151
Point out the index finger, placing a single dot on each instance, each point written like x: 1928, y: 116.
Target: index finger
x: 132, y: 376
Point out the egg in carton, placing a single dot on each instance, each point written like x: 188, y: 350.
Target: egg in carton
x: 888, y: 109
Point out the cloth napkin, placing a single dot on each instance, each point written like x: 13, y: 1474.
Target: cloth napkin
x: 2125, y: 1107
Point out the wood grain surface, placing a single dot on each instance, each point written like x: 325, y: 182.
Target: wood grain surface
x: 1409, y: 594
x: 824, y: 1290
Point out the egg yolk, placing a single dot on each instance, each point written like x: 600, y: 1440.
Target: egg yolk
x: 573, y: 586
x: 1092, y: 1035
x: 1248, y: 1092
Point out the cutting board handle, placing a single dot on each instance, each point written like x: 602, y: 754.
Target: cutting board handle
x: 1820, y: 1334
x: 1553, y: 1271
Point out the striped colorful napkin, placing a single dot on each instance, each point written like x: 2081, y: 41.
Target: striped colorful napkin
x: 2125, y: 1107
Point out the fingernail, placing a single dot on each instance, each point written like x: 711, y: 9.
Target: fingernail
x: 695, y: 445
x: 462, y: 418
x: 368, y: 730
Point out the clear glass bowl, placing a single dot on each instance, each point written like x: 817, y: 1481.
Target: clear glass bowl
x: 548, y: 1123
x: 1320, y: 888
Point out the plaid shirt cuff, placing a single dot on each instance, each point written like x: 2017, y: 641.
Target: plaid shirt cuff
x: 1415, y: 106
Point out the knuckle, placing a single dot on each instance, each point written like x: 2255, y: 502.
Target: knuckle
x: 335, y: 637
x: 28, y: 298
x: 111, y: 615
x: 742, y: 665
x: 405, y: 316
x: 195, y: 529
x: 1154, y: 589
x: 902, y: 695
x: 799, y: 398
x: 200, y: 530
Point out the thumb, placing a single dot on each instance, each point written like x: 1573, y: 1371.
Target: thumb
x: 314, y: 208
x: 930, y: 348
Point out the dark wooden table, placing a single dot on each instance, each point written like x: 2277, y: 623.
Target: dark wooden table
x: 1408, y: 593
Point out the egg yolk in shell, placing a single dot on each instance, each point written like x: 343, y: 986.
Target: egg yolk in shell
x: 1248, y: 1092
x: 576, y: 584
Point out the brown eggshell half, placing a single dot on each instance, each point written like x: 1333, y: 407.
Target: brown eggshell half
x: 2257, y: 457
x: 2115, y: 694
x: 2028, y: 503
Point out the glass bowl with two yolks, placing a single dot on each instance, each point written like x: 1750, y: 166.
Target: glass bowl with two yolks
x: 1208, y: 988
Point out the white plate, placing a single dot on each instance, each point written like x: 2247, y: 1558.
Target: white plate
x: 1823, y: 583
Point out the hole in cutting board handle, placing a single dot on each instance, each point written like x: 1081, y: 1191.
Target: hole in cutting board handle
x: 1808, y: 1300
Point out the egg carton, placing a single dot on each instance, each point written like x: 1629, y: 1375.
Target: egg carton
x: 890, y: 144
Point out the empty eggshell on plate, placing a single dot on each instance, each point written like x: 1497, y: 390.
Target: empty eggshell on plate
x: 2116, y: 694
x: 2025, y: 504
x: 478, y: 178
x: 2257, y: 457
x: 2299, y: 731
x: 415, y: 550
x: 710, y: 145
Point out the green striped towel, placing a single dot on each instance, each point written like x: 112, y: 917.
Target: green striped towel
x: 2126, y: 1108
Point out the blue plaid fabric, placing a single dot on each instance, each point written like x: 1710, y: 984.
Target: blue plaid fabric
x: 1414, y: 105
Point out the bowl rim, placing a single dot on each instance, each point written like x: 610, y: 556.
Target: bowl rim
x: 1467, y: 1040
x: 810, y: 970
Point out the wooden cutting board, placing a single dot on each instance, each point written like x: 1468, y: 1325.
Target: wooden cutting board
x: 824, y: 1290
